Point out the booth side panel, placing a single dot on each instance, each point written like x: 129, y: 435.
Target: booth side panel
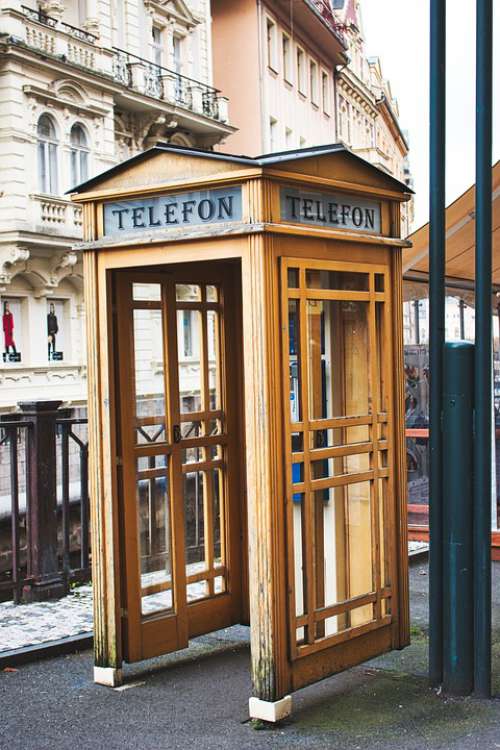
x: 106, y: 615
x: 270, y: 672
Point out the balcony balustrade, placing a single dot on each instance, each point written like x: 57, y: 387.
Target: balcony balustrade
x: 54, y: 37
x: 54, y: 213
x: 323, y: 9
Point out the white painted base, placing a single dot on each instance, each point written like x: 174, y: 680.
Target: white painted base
x: 272, y: 712
x: 108, y: 676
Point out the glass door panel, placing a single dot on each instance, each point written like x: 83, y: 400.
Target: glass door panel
x: 180, y: 530
x: 338, y: 492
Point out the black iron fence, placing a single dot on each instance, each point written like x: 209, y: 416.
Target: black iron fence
x: 44, y: 503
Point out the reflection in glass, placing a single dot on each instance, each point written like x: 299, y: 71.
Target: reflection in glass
x: 148, y: 369
x: 154, y: 543
x: 339, y: 280
x: 190, y: 370
x: 294, y: 360
x: 146, y: 292
x: 187, y: 293
x: 213, y: 359
x: 338, y: 358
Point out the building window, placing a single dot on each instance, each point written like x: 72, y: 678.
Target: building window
x: 157, y: 45
x: 47, y: 155
x: 187, y: 333
x: 313, y: 81
x: 325, y: 92
x: 271, y: 44
x: 79, y: 155
x: 301, y: 71
x: 273, y: 133
x: 287, y: 58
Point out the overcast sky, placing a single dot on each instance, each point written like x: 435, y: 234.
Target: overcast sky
x: 397, y: 31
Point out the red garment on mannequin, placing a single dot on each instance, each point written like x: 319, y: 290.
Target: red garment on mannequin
x: 8, y: 328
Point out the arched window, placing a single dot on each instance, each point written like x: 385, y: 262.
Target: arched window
x: 47, y: 155
x: 79, y: 155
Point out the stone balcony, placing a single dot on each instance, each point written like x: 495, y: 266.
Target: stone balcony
x: 56, y: 215
x: 52, y: 37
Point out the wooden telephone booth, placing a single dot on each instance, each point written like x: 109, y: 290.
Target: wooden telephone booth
x: 246, y: 416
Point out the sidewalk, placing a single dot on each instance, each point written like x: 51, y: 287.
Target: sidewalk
x: 199, y: 697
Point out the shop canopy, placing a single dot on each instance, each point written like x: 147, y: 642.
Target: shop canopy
x: 460, y: 241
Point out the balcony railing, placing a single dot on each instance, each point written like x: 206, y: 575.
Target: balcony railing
x: 162, y: 83
x: 323, y: 9
x: 55, y: 37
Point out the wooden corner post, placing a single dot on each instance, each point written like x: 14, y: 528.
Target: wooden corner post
x: 270, y: 676
x: 107, y: 636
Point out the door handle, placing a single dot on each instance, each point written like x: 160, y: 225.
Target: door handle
x: 177, y: 433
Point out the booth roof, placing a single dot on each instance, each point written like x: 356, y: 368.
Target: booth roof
x: 265, y: 160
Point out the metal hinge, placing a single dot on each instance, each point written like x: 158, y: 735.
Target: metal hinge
x: 119, y: 461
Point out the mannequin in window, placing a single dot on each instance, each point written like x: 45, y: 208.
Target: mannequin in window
x: 8, y: 329
x: 52, y: 329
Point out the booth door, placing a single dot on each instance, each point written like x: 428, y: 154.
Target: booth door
x: 341, y: 543
x: 180, y: 500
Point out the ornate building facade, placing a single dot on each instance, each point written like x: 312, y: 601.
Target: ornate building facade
x: 84, y: 85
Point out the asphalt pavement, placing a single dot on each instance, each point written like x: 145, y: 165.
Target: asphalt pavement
x: 198, y: 698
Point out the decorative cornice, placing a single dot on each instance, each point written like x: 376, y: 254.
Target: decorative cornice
x: 91, y: 110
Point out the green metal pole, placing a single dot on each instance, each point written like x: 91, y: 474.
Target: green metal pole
x: 437, y: 239
x: 458, y: 399
x: 483, y: 374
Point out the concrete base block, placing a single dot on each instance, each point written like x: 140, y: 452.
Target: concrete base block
x: 108, y: 676
x: 268, y: 711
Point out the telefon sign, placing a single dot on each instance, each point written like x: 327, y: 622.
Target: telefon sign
x: 337, y: 210
x: 168, y: 211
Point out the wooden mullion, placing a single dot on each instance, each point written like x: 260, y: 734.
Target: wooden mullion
x: 203, y: 442
x: 177, y: 504
x: 340, y: 451
x: 336, y: 423
x: 192, y: 468
x: 341, y: 480
x: 374, y: 457
x: 286, y: 295
x: 336, y: 609
x: 200, y: 416
x: 345, y: 635
x: 334, y: 295
x: 208, y: 507
x: 309, y: 518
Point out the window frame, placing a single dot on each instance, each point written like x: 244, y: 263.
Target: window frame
x: 48, y: 158
x: 286, y: 55
x: 301, y: 63
x: 271, y: 44
x: 325, y: 92
x: 79, y: 156
x: 313, y: 82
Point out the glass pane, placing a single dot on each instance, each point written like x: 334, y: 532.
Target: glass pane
x: 191, y: 429
x: 381, y: 357
x: 339, y: 436
x: 358, y: 502
x: 150, y: 434
x: 298, y: 547
x: 190, y: 372
x: 331, y: 546
x: 339, y: 280
x: 333, y: 467
x: 293, y: 278
x: 379, y: 282
x: 154, y: 544
x: 338, y: 358
x: 146, y: 292
x: 187, y: 293
x: 294, y: 334
x: 218, y: 518
x: 148, y: 365
x: 384, y: 548
x: 213, y: 359
x: 212, y: 294
x: 151, y: 462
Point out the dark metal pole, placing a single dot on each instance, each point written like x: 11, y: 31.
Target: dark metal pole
x: 483, y: 405
x: 437, y: 241
x: 458, y: 619
x: 416, y: 307
x: 461, y: 311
